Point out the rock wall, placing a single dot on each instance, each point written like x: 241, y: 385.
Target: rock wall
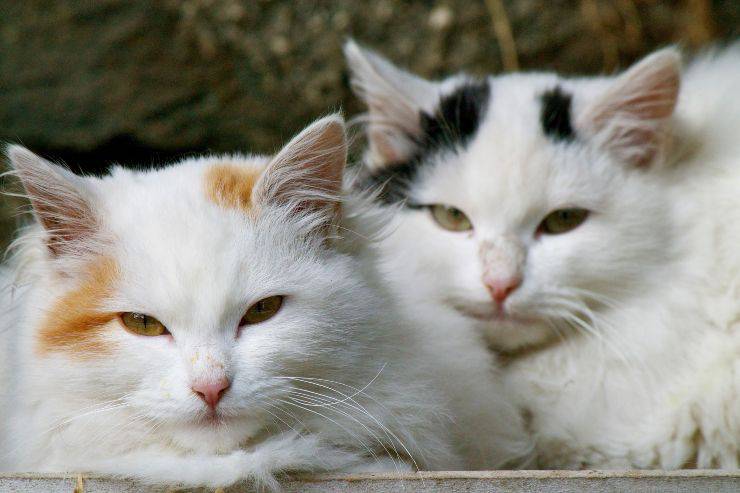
x: 142, y: 81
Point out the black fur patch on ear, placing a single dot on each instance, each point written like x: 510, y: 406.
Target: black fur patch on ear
x: 555, y: 114
x: 453, y: 124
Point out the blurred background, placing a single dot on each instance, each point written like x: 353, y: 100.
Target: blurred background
x: 142, y: 82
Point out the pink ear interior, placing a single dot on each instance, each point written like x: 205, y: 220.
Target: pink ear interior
x: 58, y: 198
x: 394, y: 99
x: 632, y: 118
x: 307, y: 173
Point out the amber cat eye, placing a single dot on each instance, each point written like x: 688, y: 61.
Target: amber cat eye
x: 450, y: 218
x: 143, y: 325
x: 562, y: 221
x: 263, y: 310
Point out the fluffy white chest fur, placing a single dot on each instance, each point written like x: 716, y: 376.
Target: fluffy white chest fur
x: 669, y: 401
x: 659, y: 386
x: 588, y: 229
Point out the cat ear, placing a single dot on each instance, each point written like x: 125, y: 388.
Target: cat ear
x: 306, y: 175
x: 395, y: 99
x: 632, y: 119
x: 60, y: 200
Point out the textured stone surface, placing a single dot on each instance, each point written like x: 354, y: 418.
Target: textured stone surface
x: 220, y: 74
x: 139, y: 81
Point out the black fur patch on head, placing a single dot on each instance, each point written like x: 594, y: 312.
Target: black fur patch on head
x: 453, y: 124
x: 555, y: 114
x: 457, y: 118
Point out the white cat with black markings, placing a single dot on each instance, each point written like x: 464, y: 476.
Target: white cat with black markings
x: 588, y: 228
x: 214, y: 321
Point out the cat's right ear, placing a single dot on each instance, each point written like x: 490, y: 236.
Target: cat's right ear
x: 306, y: 175
x: 60, y: 200
x: 632, y: 118
x: 395, y: 99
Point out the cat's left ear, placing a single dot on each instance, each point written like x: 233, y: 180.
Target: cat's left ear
x: 306, y: 175
x: 632, y: 119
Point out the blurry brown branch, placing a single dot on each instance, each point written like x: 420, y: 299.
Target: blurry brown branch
x: 607, y: 43
x: 699, y: 24
x: 504, y: 34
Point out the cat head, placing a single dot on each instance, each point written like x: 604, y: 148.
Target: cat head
x: 526, y: 200
x: 193, y: 296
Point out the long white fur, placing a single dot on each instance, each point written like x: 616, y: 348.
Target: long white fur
x: 627, y: 351
x: 338, y: 380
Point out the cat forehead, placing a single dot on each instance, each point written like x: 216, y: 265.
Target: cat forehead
x: 526, y: 115
x: 194, y: 208
x: 531, y: 126
x: 525, y: 103
x: 533, y: 105
x: 225, y: 181
x: 230, y: 184
x: 526, y: 147
x: 188, y: 238
x: 540, y: 108
x: 495, y: 123
x: 522, y: 115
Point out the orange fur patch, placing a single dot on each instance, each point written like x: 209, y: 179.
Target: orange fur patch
x: 230, y: 185
x: 73, y: 324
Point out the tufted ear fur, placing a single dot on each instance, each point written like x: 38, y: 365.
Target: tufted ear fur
x: 306, y: 175
x: 61, y: 201
x: 395, y: 99
x: 632, y: 119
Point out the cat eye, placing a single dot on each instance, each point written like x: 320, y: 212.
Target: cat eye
x: 143, y: 325
x: 263, y: 310
x: 450, y: 218
x: 562, y: 221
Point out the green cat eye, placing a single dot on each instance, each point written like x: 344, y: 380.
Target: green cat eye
x: 262, y: 310
x: 143, y: 325
x: 450, y: 218
x: 562, y: 221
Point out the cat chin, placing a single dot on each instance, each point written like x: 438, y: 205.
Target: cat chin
x: 505, y: 332
x: 509, y: 336
x: 215, y: 437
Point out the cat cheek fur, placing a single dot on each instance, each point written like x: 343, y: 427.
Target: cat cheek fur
x: 75, y: 322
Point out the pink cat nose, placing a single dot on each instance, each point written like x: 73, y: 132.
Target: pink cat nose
x: 500, y: 289
x: 211, y: 392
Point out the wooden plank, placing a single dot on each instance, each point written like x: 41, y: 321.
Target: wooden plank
x: 427, y: 482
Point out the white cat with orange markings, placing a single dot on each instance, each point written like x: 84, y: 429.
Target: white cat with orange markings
x: 214, y: 321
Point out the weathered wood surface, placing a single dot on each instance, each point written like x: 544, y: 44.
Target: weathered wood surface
x: 432, y: 482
